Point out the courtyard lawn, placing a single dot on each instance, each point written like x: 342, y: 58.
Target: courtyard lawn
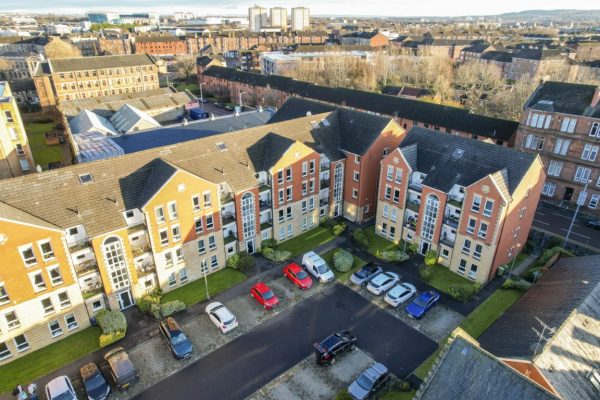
x: 477, y: 322
x: 394, y: 395
x: 343, y: 276
x: 192, y: 87
x: 377, y: 242
x: 42, y: 153
x: 41, y: 362
x: 307, y: 241
x: 442, y: 278
x: 195, y: 292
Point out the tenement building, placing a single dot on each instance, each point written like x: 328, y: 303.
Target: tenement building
x: 62, y: 79
x: 78, y: 239
x: 561, y: 123
x: 471, y: 202
x: 15, y: 154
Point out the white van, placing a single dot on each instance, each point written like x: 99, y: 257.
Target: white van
x: 317, y: 267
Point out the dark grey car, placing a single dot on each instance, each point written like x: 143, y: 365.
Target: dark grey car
x: 365, y: 274
x: 369, y: 382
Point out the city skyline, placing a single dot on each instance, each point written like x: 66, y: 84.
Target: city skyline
x: 231, y: 7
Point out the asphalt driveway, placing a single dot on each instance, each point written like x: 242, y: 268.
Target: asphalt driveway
x: 247, y: 363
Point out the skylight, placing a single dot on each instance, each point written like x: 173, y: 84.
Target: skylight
x: 86, y: 178
x: 458, y: 153
x: 221, y: 146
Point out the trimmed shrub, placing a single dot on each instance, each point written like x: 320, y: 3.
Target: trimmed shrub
x: 275, y: 255
x: 171, y: 307
x: 232, y: 262
x: 462, y: 291
x: 343, y: 395
x: 111, y: 321
x: 268, y: 243
x: 412, y: 248
x: 431, y: 257
x: 145, y: 302
x: 338, y: 229
x: 359, y: 237
x: 518, y: 284
x: 110, y: 338
x: 392, y: 255
x: 246, y: 263
x: 155, y: 311
x: 548, y: 254
x: 343, y: 261
x: 425, y: 273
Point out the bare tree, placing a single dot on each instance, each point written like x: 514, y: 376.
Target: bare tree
x: 508, y: 102
x: 186, y: 66
x: 58, y: 48
x: 478, y: 81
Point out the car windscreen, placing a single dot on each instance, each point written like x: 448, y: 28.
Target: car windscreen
x: 178, y: 339
x: 64, y: 396
x: 365, y: 382
x: 229, y: 321
x: 420, y: 302
x: 322, y: 268
x: 301, y: 275
x: 268, y: 295
x: 127, y: 377
x: 94, y: 382
x: 362, y: 273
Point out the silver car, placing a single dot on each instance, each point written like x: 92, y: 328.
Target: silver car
x: 371, y: 381
x: 365, y: 274
x: 400, y: 294
x: 60, y: 389
x: 221, y: 316
x: 382, y: 282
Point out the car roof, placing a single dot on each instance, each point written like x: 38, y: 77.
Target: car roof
x: 223, y: 312
x: 120, y: 363
x: 58, y: 385
x: 261, y: 287
x: 294, y: 267
x: 376, y: 370
x: 171, y: 325
x: 428, y: 294
x: 88, y: 370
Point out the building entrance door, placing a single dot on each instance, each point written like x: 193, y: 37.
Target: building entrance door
x: 568, y: 194
x: 125, y: 299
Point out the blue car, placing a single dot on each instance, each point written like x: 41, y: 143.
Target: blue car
x: 422, y: 304
x: 178, y: 343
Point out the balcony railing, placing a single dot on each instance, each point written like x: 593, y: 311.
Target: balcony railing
x: 324, y: 184
x: 413, y: 205
x: 227, y: 218
x: 91, y: 292
x: 451, y: 221
x: 86, y: 267
x: 136, y: 228
x: 263, y: 188
x: 456, y: 202
x: 266, y: 225
x: 226, y: 198
x: 323, y: 202
x: 145, y: 269
x: 264, y: 205
x: 80, y: 245
x: 447, y: 240
x: 141, y: 250
x: 415, y: 186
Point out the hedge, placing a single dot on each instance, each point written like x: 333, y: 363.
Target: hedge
x: 463, y: 291
x: 431, y: 257
x: 171, y: 307
x: 150, y: 305
x: 246, y: 263
x: 275, y: 255
x: 338, y: 229
x: 518, y: 284
x: 113, y: 325
x: 343, y: 261
x: 232, y: 261
x: 391, y: 255
x: 110, y: 338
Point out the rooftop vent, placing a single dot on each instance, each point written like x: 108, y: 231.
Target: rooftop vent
x: 457, y: 154
x: 308, y: 113
x: 325, y: 122
x: 221, y: 146
x: 314, y: 124
x: 86, y: 178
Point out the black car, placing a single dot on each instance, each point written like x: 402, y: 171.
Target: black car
x: 178, y: 343
x: 329, y: 348
x: 593, y: 224
x: 96, y: 387
x: 122, y: 370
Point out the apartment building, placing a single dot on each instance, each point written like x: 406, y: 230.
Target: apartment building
x: 84, y: 77
x: 163, y: 46
x: 274, y: 90
x: 279, y: 17
x: 15, y: 154
x: 113, y: 229
x: 561, y: 123
x: 16, y: 66
x: 471, y: 202
x: 300, y: 18
x: 371, y: 39
x: 234, y: 41
x: 257, y: 18
x: 114, y: 45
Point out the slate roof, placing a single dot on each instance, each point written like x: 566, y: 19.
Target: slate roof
x: 499, y: 56
x: 121, y: 183
x: 296, y: 107
x: 435, y: 156
x: 434, y: 114
x: 99, y: 62
x: 564, y: 288
x: 540, y: 54
x: 567, y: 98
x: 362, y: 35
x: 477, y: 48
x: 157, y: 38
x: 15, y: 214
x: 468, y: 372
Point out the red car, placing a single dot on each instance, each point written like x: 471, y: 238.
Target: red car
x: 297, y: 275
x: 264, y: 296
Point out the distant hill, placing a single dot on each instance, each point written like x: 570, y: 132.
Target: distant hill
x: 571, y: 15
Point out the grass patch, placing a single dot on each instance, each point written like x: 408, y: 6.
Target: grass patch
x: 307, y: 241
x: 343, y: 276
x: 195, y: 292
x: 47, y: 359
x: 42, y: 153
x: 477, y: 322
x: 442, y: 278
x: 399, y: 395
x: 377, y: 242
x: 192, y: 87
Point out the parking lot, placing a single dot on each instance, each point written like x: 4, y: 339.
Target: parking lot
x: 247, y: 363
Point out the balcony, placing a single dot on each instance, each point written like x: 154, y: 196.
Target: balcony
x: 264, y: 188
x: 323, y: 202
x: 226, y: 198
x: 411, y: 223
x: 325, y: 166
x: 324, y: 184
x: 266, y: 225
x: 451, y: 220
x: 230, y: 238
x: 448, y: 240
x: 136, y: 228
x: 86, y: 267
x: 91, y: 292
x: 140, y: 250
x: 227, y: 218
x: 413, y: 205
x: 80, y: 245
x: 145, y: 269
x: 455, y: 201
x: 417, y: 187
x: 264, y: 205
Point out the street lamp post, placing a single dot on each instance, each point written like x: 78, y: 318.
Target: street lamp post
x: 580, y: 201
x: 201, y: 98
x: 241, y: 102
x: 515, y: 257
x: 206, y: 284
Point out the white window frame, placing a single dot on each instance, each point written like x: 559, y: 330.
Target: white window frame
x: 64, y: 303
x: 210, y: 222
x: 590, y: 152
x: 198, y: 226
x: 562, y: 146
x: 355, y: 176
x: 36, y: 288
x: 568, y: 125
x: 15, y: 324
x: 159, y: 213
x: 549, y: 189
x: 582, y: 174
x: 212, y: 242
x: 390, y: 173
x: 71, y: 325
x: 386, y: 211
x: 354, y: 193
x: 52, y: 280
x: 594, y: 201
x: 595, y: 129
x: 50, y: 309
x: 555, y: 167
x: 304, y: 168
x: 196, y: 204
x: 20, y: 350
x: 486, y: 212
x: 471, y: 229
x: 4, y: 297
x: 46, y: 256
x: 55, y: 332
x: 476, y: 205
x: 4, y: 354
x: 476, y: 252
x: 29, y: 262
x: 201, y: 246
x: 176, y: 232
x: 207, y: 199
x: 172, y: 210
x: 482, y: 233
x: 398, y: 179
x: 164, y: 241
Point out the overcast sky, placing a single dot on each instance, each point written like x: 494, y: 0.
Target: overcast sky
x: 318, y: 7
